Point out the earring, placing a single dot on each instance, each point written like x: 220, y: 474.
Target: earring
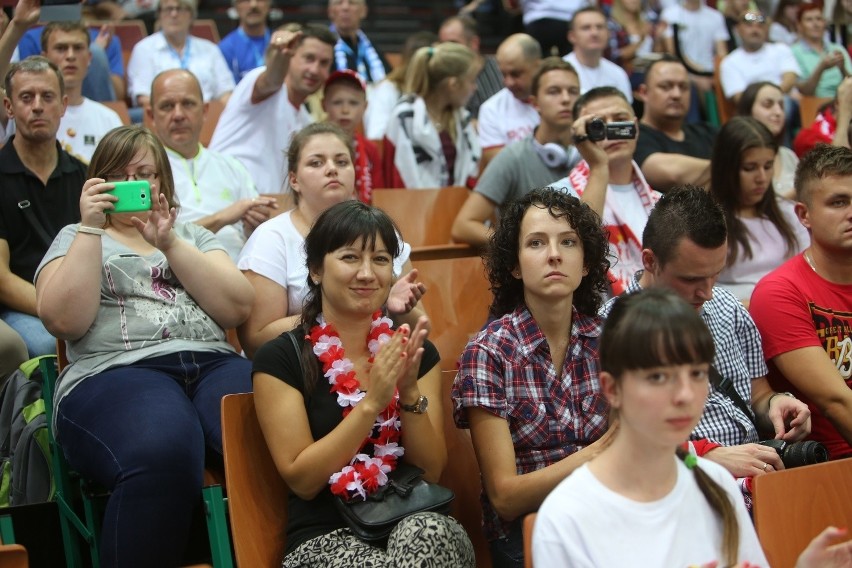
x: 316, y: 281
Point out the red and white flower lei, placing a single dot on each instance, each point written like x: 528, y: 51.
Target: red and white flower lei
x: 365, y: 473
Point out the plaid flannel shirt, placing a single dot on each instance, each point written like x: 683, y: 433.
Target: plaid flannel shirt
x: 507, y: 371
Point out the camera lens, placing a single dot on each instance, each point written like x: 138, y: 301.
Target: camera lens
x: 804, y: 453
x: 596, y: 129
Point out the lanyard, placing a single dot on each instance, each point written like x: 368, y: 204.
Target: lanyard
x: 183, y: 59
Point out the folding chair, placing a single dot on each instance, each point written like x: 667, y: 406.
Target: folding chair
x: 74, y: 528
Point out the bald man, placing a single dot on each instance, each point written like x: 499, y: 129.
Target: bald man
x: 508, y: 116
x: 214, y: 190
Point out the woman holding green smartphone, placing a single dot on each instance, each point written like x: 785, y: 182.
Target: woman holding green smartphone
x: 142, y: 303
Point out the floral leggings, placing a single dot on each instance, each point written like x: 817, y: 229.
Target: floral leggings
x: 422, y: 540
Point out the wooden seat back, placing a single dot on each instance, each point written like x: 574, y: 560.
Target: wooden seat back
x: 205, y: 28
x: 462, y: 476
x: 424, y: 216
x: 529, y: 524
x: 456, y: 300
x: 792, y: 506
x: 809, y: 108
x: 257, y: 495
x: 120, y: 107
x: 725, y: 106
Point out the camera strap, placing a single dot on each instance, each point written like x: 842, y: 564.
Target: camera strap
x: 726, y: 386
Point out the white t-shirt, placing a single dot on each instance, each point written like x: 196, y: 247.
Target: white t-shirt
x: 258, y: 134
x: 276, y: 250
x: 153, y: 55
x: 555, y: 9
x: 83, y: 126
x: 381, y: 98
x: 606, y: 74
x: 698, y: 30
x: 739, y: 69
x: 504, y: 119
x: 208, y: 183
x: 768, y: 251
x: 584, y: 524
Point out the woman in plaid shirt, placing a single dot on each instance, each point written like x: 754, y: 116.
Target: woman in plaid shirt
x: 527, y: 385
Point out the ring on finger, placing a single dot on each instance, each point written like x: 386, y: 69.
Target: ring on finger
x: 766, y: 465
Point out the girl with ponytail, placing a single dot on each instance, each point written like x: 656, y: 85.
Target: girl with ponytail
x: 643, y: 500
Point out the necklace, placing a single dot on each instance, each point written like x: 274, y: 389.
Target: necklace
x: 365, y: 473
x: 809, y: 260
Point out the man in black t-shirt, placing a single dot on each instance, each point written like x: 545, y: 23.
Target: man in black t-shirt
x: 671, y: 152
x: 40, y: 187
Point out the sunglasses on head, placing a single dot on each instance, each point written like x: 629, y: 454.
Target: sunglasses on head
x: 752, y: 18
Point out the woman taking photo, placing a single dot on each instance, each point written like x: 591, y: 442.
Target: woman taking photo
x: 383, y: 405
x: 322, y: 174
x: 763, y: 230
x: 527, y: 385
x: 764, y: 102
x: 142, y: 303
x: 430, y: 141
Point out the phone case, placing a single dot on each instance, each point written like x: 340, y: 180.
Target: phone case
x: 133, y: 196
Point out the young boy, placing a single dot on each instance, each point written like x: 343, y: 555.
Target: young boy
x: 344, y: 102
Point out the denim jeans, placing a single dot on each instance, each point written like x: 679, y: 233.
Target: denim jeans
x: 141, y: 431
x: 38, y: 339
x: 509, y: 552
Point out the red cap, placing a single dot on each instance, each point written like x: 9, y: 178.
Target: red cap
x: 346, y: 75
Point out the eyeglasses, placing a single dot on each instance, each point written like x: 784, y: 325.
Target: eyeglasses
x: 180, y: 8
x: 120, y: 176
x: 752, y: 18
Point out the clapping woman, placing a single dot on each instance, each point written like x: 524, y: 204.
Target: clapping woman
x: 142, y: 302
x: 344, y: 398
x: 527, y: 385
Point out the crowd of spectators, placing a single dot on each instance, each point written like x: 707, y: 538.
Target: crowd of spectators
x: 269, y: 228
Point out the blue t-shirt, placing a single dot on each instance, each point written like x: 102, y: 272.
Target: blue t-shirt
x: 30, y: 44
x: 243, y: 52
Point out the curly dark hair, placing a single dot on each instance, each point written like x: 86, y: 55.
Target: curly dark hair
x: 501, y: 257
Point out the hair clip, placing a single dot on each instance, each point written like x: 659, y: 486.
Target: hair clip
x: 430, y: 52
x: 690, y: 460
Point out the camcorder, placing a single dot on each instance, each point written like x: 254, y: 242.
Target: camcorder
x: 597, y: 129
x: 798, y: 453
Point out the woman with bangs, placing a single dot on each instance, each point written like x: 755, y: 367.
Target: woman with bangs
x: 763, y: 230
x: 142, y: 302
x: 666, y: 506
x: 343, y: 398
x: 527, y: 385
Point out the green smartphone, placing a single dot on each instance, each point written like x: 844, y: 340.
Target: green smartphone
x: 133, y: 196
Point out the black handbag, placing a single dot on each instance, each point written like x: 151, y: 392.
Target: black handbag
x: 405, y: 493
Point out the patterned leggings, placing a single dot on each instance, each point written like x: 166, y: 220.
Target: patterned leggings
x: 422, y: 540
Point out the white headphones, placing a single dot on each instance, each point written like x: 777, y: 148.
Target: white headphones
x: 554, y: 155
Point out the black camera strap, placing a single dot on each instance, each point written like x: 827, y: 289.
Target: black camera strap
x: 726, y: 386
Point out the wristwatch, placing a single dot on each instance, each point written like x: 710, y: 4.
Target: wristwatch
x: 418, y: 407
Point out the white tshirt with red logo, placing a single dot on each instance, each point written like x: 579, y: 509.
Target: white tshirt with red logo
x: 504, y: 119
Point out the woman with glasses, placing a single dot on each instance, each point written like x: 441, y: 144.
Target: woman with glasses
x: 142, y: 303
x: 173, y: 47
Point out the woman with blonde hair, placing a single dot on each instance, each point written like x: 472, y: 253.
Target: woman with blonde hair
x: 430, y: 140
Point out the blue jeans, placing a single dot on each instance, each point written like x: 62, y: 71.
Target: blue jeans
x: 97, y: 85
x: 141, y: 431
x: 509, y: 552
x: 38, y: 339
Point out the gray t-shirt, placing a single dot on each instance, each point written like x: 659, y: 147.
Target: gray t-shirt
x: 144, y: 310
x: 518, y: 169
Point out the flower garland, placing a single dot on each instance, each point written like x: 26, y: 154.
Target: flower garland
x: 365, y: 473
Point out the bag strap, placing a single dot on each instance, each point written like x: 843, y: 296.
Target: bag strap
x: 26, y: 209
x: 292, y: 337
x: 683, y: 59
x: 726, y: 386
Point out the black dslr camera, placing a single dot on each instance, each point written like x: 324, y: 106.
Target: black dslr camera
x: 798, y: 453
x: 597, y: 129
